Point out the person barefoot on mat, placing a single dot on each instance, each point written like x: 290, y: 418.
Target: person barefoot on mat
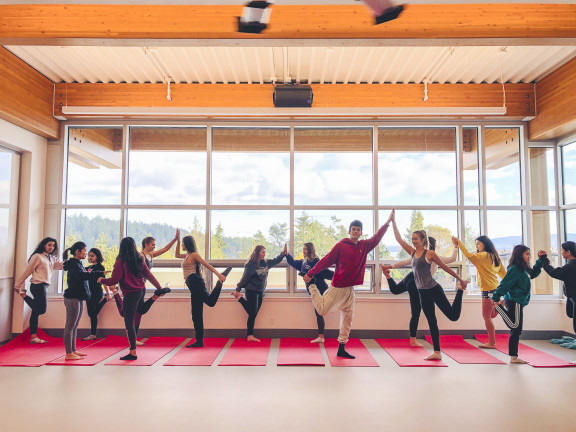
x: 566, y: 274
x: 131, y: 272
x: 254, y: 282
x: 488, y: 265
x: 430, y: 291
x: 303, y: 266
x: 41, y: 264
x: 408, y: 284
x: 349, y: 255
x: 197, y: 286
x: 516, y: 288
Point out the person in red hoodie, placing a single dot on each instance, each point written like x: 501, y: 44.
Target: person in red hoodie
x: 349, y: 255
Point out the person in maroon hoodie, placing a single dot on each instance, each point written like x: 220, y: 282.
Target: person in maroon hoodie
x: 349, y: 255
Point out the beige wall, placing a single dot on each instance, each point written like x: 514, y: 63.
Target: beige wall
x: 31, y: 202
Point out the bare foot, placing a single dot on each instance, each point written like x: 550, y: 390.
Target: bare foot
x: 72, y: 356
x: 517, y: 360
x: 318, y: 340
x: 487, y: 346
x: 252, y: 339
x: 79, y: 353
x: 436, y: 356
x: 139, y: 343
x: 415, y: 343
x: 89, y: 338
x: 37, y: 340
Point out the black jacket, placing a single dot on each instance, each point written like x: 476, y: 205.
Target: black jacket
x: 77, y: 279
x: 566, y: 273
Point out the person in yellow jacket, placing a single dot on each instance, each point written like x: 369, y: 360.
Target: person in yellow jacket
x: 488, y: 265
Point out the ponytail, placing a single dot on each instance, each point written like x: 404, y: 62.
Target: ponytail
x: 73, y: 249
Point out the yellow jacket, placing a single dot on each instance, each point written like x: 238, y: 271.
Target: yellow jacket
x: 486, y: 270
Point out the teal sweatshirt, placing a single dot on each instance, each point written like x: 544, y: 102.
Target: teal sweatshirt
x: 516, y: 285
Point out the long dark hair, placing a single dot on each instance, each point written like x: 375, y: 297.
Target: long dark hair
x: 491, y: 249
x: 517, y: 259
x: 432, y: 243
x: 570, y: 246
x: 255, y: 256
x: 73, y: 249
x: 41, y: 247
x: 311, y: 251
x: 129, y: 254
x: 189, y: 244
x: 99, y: 257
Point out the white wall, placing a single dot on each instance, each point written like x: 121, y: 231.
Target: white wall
x: 31, y: 202
x: 171, y: 312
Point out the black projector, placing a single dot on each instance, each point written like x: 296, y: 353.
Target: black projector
x: 292, y: 96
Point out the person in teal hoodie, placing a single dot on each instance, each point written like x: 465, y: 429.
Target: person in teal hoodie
x: 515, y: 287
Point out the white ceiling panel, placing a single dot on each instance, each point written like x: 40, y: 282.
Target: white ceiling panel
x: 306, y: 64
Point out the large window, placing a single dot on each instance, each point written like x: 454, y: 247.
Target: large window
x: 233, y: 186
x: 417, y: 166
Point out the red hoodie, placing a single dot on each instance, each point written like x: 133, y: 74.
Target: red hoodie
x: 350, y: 260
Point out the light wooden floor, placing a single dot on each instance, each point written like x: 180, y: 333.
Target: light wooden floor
x: 463, y: 398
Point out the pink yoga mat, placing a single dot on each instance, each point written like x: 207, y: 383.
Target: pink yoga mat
x: 95, y: 353
x: 354, y: 347
x: 533, y: 356
x: 408, y: 356
x: 299, y: 352
x: 455, y: 347
x: 154, y: 350
x: 198, y: 356
x: 20, y: 352
x: 244, y: 353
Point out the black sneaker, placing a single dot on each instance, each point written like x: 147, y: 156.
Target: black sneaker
x: 162, y: 291
x: 390, y: 14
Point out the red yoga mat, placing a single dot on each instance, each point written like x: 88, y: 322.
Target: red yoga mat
x: 534, y: 357
x: 408, y: 356
x: 154, y: 350
x: 198, y: 356
x: 455, y: 347
x: 244, y: 353
x: 299, y: 352
x: 96, y: 353
x: 354, y: 347
x: 20, y: 352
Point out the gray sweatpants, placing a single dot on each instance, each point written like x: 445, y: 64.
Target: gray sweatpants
x: 74, y: 309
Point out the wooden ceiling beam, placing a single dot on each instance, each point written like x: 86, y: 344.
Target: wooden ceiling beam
x: 556, y: 104
x: 291, y: 25
x: 519, y: 97
x: 26, y: 97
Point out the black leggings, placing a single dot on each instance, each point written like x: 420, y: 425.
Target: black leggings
x: 142, y: 309
x: 513, y: 316
x: 251, y: 304
x: 133, y: 306
x: 198, y: 296
x: 319, y: 318
x: 408, y: 284
x: 38, y: 304
x: 571, y: 310
x: 436, y: 295
x: 93, y: 306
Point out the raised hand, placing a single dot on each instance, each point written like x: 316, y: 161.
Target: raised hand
x: 386, y: 267
x: 541, y: 253
x: 455, y: 240
x: 392, y: 217
x: 285, y: 251
x: 177, y: 236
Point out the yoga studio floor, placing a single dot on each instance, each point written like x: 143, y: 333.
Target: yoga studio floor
x: 460, y: 397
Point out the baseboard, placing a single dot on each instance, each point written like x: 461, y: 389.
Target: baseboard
x: 308, y: 333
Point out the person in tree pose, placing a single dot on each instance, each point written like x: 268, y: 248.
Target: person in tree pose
x: 515, y: 287
x: 349, y: 255
x: 254, y: 282
x: 303, y: 266
x: 408, y: 284
x: 430, y: 291
x: 489, y: 265
x: 41, y: 264
x: 197, y: 286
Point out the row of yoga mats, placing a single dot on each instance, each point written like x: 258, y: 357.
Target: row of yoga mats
x: 291, y: 352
